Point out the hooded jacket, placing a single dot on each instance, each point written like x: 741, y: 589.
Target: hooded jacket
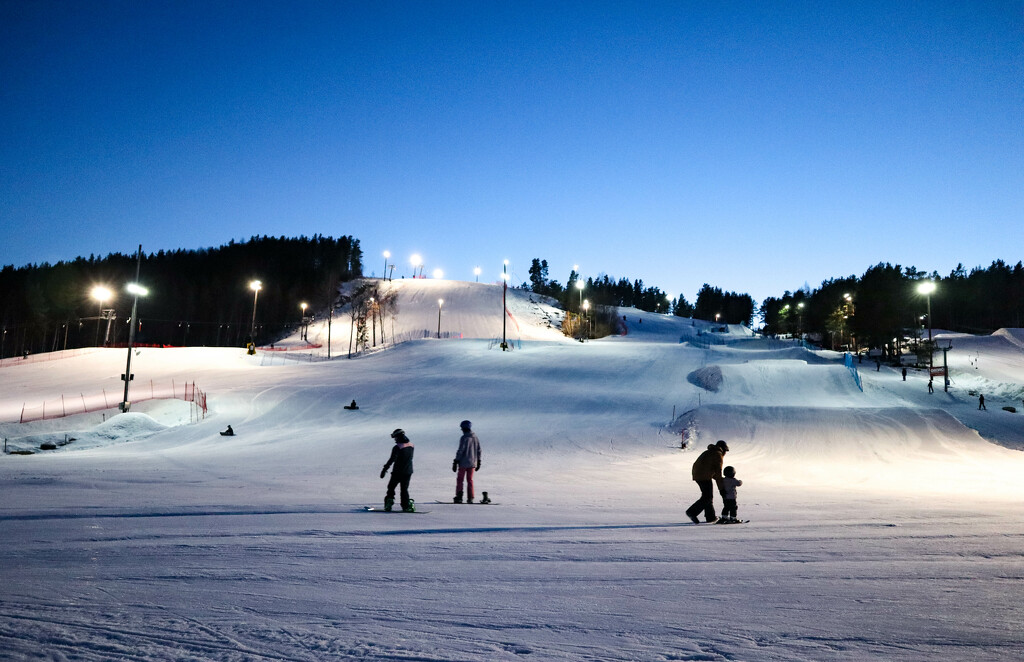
x: 468, y: 455
x: 708, y: 466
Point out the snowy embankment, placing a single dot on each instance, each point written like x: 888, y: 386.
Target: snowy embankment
x: 884, y: 525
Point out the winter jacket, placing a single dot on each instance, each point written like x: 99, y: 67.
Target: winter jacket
x: 708, y: 466
x: 468, y: 456
x: 729, y: 486
x: 401, y: 457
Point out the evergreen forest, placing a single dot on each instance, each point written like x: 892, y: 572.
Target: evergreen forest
x: 195, y: 297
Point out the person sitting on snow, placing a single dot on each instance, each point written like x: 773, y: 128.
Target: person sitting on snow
x: 228, y: 433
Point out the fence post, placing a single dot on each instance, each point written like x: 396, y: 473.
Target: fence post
x: 63, y: 409
x: 22, y: 419
x: 85, y: 407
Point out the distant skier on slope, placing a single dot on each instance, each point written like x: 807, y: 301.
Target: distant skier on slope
x: 706, y: 468
x: 401, y: 474
x: 466, y: 462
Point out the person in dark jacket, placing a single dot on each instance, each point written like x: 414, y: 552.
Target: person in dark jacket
x: 707, y: 468
x: 401, y: 473
x: 466, y: 462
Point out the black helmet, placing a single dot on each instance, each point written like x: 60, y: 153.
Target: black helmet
x: 729, y: 471
x: 724, y: 446
x: 466, y: 425
x: 398, y: 433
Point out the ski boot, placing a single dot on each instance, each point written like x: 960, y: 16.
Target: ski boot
x: 458, y: 498
x: 486, y: 498
x: 409, y: 507
x: 389, y: 503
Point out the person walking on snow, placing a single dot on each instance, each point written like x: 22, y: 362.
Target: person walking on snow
x: 729, y: 484
x: 707, y: 468
x: 401, y: 474
x: 981, y: 402
x: 466, y: 462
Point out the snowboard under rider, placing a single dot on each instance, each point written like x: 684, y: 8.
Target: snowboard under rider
x: 466, y: 462
x: 401, y: 473
x: 707, y: 468
x: 729, y: 484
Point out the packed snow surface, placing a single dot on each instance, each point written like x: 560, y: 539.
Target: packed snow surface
x: 885, y: 522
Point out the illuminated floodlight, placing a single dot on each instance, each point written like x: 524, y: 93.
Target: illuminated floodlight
x: 926, y: 287
x: 438, y: 273
x: 137, y: 290
x: 101, y: 293
x: 255, y: 286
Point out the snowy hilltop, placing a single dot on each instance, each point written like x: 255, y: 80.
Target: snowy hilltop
x: 885, y: 520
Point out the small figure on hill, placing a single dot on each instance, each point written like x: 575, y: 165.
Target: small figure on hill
x: 466, y: 462
x: 904, y: 374
x: 981, y: 402
x: 931, y: 385
x: 228, y: 433
x: 878, y: 365
x: 352, y: 406
x: 401, y: 474
x: 707, y: 468
x: 729, y: 484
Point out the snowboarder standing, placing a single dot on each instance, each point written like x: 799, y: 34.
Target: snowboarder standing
x: 729, y: 484
x: 466, y: 462
x: 401, y: 474
x: 707, y: 468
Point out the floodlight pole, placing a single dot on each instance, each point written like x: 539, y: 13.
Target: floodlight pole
x: 127, y: 376
x: 945, y: 368
x: 504, y: 309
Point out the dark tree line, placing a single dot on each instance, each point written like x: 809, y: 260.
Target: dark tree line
x: 196, y: 297
x: 605, y: 292
x: 726, y: 307
x: 885, y: 303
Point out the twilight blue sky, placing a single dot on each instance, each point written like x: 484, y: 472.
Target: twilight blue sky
x: 755, y: 146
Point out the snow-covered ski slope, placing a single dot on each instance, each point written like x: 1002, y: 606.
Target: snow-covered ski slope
x: 884, y: 525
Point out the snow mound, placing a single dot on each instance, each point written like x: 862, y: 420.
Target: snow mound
x: 127, y: 426
x: 708, y: 378
x: 1015, y: 336
x: 117, y: 429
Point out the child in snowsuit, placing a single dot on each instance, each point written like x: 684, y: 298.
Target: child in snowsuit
x: 729, y: 484
x: 466, y: 462
x: 401, y: 474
